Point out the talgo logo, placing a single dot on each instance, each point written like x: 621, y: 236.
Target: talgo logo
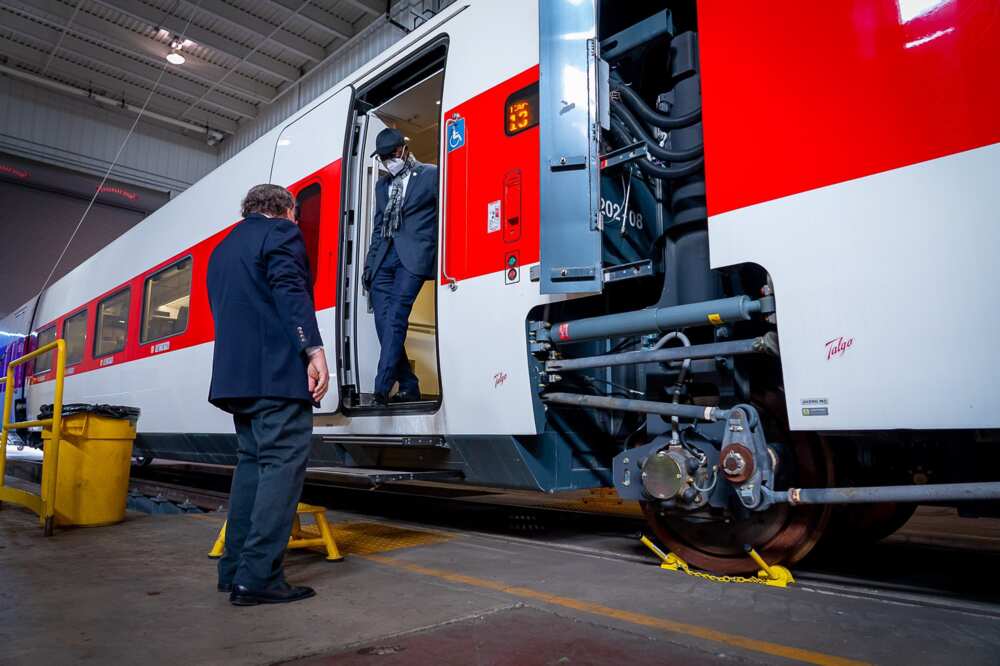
x: 838, y: 346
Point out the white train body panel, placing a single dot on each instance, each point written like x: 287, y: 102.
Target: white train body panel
x: 172, y: 388
x: 897, y: 261
x: 894, y: 265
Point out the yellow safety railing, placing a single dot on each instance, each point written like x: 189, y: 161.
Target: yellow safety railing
x: 44, y: 503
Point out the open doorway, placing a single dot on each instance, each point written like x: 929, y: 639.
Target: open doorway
x: 409, y: 101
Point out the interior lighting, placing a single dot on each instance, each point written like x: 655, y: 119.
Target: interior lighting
x: 175, y: 58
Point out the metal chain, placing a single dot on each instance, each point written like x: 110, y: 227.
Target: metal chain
x: 672, y: 562
x: 723, y: 579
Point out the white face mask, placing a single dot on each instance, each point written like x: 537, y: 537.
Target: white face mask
x: 393, y: 165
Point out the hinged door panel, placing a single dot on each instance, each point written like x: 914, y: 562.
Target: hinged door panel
x: 570, y: 191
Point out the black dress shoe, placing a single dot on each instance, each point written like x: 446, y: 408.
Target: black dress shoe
x: 379, y: 400
x: 282, y: 593
x: 406, y: 396
x: 222, y: 587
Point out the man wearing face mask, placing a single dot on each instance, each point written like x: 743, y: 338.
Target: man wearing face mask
x: 402, y: 255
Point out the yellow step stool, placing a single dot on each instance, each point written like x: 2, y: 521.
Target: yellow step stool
x: 309, y: 536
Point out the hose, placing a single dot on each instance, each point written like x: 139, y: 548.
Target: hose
x: 670, y: 173
x: 622, y: 138
x: 636, y: 103
x: 681, y: 376
x: 655, y: 149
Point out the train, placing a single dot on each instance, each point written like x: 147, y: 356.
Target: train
x: 731, y: 260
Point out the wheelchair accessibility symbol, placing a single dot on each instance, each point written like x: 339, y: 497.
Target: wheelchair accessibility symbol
x: 456, y: 134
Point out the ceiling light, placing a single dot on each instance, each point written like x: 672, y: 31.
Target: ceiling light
x: 187, y: 42
x: 438, y: 102
x: 175, y: 58
x: 162, y: 33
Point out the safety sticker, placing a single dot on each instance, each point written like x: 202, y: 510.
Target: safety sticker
x: 456, y: 134
x: 493, y: 216
x: 815, y: 407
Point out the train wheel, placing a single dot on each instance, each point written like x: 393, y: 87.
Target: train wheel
x: 782, y: 534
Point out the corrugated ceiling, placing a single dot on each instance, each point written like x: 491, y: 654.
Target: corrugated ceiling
x: 241, y: 53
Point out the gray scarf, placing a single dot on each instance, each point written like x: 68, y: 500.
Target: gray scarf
x: 393, y: 215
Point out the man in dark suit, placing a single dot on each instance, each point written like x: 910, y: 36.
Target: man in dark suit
x: 401, y: 257
x: 268, y: 369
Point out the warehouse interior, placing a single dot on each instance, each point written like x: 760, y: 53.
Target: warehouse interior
x: 506, y: 332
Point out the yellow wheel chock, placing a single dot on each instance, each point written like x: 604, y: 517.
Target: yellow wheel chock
x: 769, y: 574
x: 310, y: 536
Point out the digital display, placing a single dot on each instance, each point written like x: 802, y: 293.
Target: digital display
x: 521, y: 110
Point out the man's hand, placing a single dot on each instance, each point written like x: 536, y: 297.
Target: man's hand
x: 366, y: 279
x: 319, y: 374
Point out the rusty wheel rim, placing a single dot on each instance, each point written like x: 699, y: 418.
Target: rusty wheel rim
x: 782, y: 534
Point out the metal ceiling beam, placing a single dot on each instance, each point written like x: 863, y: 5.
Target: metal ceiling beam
x: 195, y: 33
x: 106, y: 86
x: 373, y: 7
x: 62, y: 35
x: 259, y: 27
x: 90, y: 27
x: 319, y: 18
x: 108, y: 102
x: 276, y: 28
x: 142, y: 71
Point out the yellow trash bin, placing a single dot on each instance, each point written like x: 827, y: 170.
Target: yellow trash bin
x: 95, y: 460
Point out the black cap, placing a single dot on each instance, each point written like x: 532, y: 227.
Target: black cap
x: 387, y: 141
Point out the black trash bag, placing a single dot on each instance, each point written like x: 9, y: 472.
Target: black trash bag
x: 110, y: 411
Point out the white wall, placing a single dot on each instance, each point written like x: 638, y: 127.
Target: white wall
x: 57, y: 129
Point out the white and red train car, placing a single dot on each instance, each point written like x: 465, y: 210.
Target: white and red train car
x: 638, y: 201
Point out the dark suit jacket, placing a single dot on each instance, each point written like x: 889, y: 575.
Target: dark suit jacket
x: 416, y: 240
x: 259, y: 290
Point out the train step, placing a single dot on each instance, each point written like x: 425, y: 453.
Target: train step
x: 377, y: 476
x: 389, y: 441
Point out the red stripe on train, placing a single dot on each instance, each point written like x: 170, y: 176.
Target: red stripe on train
x: 491, y: 168
x: 799, y: 95
x: 506, y: 172
x: 322, y: 246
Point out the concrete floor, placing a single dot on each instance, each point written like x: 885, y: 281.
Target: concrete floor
x: 144, y: 592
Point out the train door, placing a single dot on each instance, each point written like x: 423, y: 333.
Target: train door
x: 408, y: 100
x: 307, y: 160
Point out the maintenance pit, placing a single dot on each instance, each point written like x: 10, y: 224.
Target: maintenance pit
x: 437, y: 590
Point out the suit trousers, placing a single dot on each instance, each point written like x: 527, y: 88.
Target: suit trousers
x: 394, y: 289
x: 274, y: 438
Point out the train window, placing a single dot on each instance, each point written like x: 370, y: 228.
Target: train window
x: 75, y: 335
x: 166, y: 301
x: 307, y: 209
x: 112, y: 324
x: 43, y: 363
x: 521, y: 110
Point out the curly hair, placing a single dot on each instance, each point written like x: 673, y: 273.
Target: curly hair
x: 268, y: 199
